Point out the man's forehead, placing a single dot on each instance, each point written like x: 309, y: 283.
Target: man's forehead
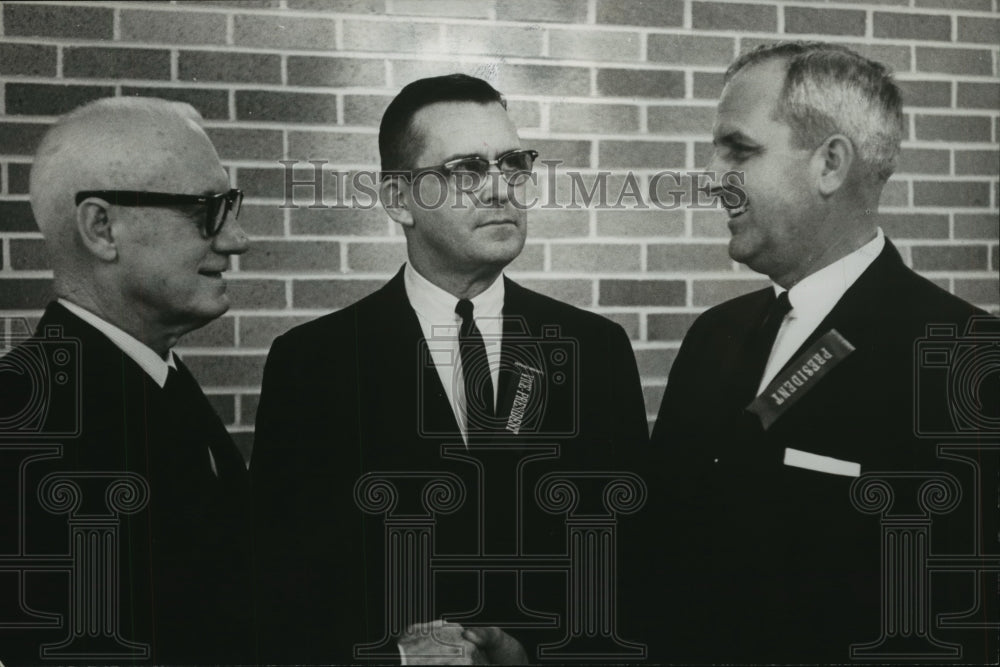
x: 447, y: 129
x: 751, y: 94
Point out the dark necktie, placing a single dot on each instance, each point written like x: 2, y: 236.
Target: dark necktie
x: 759, y: 349
x: 185, y: 396
x: 475, y: 371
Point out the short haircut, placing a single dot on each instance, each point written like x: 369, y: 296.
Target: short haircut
x: 831, y: 89
x: 398, y: 142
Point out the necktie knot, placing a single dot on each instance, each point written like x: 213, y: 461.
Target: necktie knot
x: 464, y: 309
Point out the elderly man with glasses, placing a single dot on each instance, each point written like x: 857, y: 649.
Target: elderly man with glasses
x: 410, y: 382
x: 140, y: 223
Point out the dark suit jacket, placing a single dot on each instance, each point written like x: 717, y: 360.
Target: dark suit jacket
x: 183, y: 560
x: 351, y: 393
x: 772, y: 563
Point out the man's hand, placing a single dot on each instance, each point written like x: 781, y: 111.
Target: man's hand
x: 496, y: 646
x: 439, y: 643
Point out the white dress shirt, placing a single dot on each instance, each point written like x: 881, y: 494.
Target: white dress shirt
x: 812, y: 299
x: 440, y: 324
x: 153, y: 364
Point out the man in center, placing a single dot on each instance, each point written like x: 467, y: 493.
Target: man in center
x: 406, y: 382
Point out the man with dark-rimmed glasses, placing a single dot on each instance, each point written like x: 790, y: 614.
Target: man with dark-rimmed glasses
x: 140, y: 223
x: 448, y: 352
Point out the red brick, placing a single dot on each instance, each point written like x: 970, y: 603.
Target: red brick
x: 220, y: 332
x: 652, y: 396
x: 707, y: 85
x: 338, y: 187
x: 978, y: 29
x: 24, y: 293
x: 459, y: 8
x: 659, y: 13
x: 34, y: 99
x: 27, y: 59
x: 249, y: 293
x: 172, y: 27
x: 211, y: 104
x: 824, y: 21
x: 248, y: 410
x: 575, y: 292
x: 259, y: 105
x: 365, y: 110
x: 953, y: 128
x: 954, y: 61
x: 974, y: 5
x: 261, y: 330
x: 508, y: 41
x: 16, y: 216
x: 102, y: 63
x: 239, y: 4
x: 681, y: 120
x: 924, y: 161
x: 709, y: 224
x: 557, y: 224
x: 262, y: 183
x: 329, y: 294
x: 261, y: 220
x: 642, y: 293
x: 977, y: 226
x: 226, y: 370
x: 334, y: 147
x: 593, y: 45
x: 688, y: 257
x: 628, y: 321
x: 986, y: 163
x: 655, y: 362
x: 652, y: 223
x: 563, y: 11
x: 229, y: 66
x: 912, y: 26
x: 376, y: 257
x: 17, y: 178
x: 29, y: 255
x: 914, y: 225
x: 711, y: 292
x: 341, y: 221
x: 60, y: 20
x: 292, y: 257
x: 239, y: 144
x: 976, y: 95
x: 950, y: 258
x: 335, y: 72
x: 594, y: 257
x: 21, y: 138
x: 669, y: 326
x: 345, y: 6
x: 610, y: 118
x: 980, y: 291
x: 640, y: 83
x: 640, y: 154
x: 285, y: 32
x: 926, y: 93
x: 570, y: 153
x: 729, y: 16
x: 523, y: 114
x: 404, y: 36
x: 690, y: 49
x: 511, y: 79
x: 961, y: 194
x: 895, y: 193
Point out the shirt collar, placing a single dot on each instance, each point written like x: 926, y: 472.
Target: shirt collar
x: 819, y: 292
x: 149, y: 361
x: 438, y: 306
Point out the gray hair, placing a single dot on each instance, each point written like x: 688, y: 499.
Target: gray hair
x: 831, y: 89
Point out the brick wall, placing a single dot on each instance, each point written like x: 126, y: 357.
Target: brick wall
x: 623, y: 86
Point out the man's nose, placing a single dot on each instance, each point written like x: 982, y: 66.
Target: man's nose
x: 231, y: 239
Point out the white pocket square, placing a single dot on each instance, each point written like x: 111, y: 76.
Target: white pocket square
x: 799, y: 459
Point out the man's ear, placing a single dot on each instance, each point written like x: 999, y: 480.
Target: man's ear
x: 394, y: 193
x: 833, y: 161
x: 94, y: 227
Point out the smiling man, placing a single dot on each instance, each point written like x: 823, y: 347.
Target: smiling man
x: 448, y: 351
x: 779, y: 399
x: 140, y: 224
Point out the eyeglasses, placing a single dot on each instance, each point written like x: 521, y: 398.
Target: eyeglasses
x: 472, y: 171
x: 217, y: 206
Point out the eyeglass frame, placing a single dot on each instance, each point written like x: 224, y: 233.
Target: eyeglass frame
x: 446, y: 169
x: 228, y: 201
